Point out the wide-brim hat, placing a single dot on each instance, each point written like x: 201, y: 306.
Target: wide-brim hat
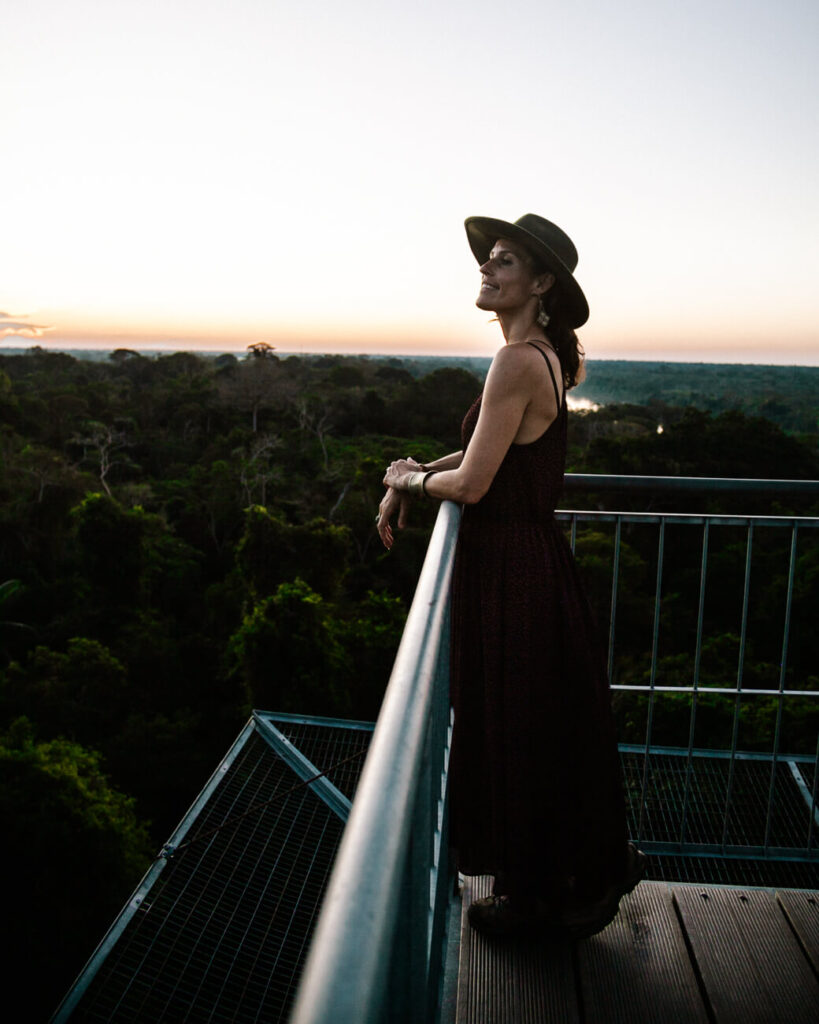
x: 546, y: 242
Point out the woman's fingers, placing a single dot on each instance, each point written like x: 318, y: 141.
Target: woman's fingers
x: 403, y: 512
x: 393, y: 502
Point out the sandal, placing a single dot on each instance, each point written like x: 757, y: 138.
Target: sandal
x: 582, y: 920
x: 637, y: 864
x: 499, y: 917
x: 585, y: 919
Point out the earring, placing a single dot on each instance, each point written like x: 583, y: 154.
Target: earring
x: 542, y: 316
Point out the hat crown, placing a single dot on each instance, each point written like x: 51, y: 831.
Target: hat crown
x: 551, y: 236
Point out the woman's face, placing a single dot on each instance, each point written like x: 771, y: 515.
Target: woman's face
x: 508, y: 279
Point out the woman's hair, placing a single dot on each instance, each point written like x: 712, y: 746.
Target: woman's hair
x: 563, y: 338
x: 560, y: 334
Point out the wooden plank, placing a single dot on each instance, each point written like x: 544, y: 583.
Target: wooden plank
x: 752, y: 967
x: 512, y: 982
x: 802, y: 909
x: 638, y: 971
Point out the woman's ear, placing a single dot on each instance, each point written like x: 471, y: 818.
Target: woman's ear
x: 543, y: 282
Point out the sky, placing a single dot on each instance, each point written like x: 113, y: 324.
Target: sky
x: 209, y: 175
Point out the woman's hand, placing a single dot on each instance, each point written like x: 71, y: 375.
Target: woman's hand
x: 392, y: 502
x: 398, y: 473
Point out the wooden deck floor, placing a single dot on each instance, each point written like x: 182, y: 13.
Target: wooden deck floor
x: 675, y: 954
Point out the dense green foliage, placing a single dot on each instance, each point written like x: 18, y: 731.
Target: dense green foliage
x: 184, y: 538
x: 786, y: 395
x: 72, y: 847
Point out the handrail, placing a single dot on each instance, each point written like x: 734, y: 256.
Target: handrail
x: 577, y: 482
x: 349, y: 973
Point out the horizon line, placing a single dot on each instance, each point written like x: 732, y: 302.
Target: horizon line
x: 99, y: 348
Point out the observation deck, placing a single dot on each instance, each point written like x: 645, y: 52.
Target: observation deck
x: 682, y: 948
x: 725, y: 930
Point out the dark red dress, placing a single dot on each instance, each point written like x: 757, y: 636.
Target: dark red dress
x: 535, y: 776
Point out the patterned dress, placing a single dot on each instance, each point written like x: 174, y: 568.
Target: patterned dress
x: 536, y: 792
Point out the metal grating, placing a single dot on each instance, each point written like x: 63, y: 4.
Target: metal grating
x: 222, y: 933
x: 707, y: 779
x: 327, y: 746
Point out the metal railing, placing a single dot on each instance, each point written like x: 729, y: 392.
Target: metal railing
x: 377, y: 950
x: 720, y: 788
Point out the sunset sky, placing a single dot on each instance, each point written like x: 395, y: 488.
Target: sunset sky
x: 211, y: 174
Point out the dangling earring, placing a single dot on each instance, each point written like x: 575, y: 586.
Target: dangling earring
x: 542, y: 316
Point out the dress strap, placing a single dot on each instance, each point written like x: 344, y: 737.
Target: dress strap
x: 558, y: 395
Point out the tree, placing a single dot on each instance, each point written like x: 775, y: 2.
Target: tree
x: 435, y: 405
x: 370, y: 633
x: 262, y: 350
x: 81, y: 693
x: 315, y: 416
x: 699, y: 444
x: 252, y: 386
x: 272, y: 551
x: 72, y: 851
x: 256, y: 468
x: 46, y: 468
x: 7, y: 590
x: 104, y: 445
x: 111, y: 542
x: 288, y: 652
x: 123, y: 355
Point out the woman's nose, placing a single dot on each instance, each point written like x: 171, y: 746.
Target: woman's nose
x: 486, y: 268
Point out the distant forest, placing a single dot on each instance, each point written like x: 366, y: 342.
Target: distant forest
x: 786, y: 395
x: 184, y: 538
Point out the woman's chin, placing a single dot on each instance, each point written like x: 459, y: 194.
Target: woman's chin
x: 485, y: 302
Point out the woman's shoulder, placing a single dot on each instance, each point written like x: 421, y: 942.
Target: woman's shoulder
x: 519, y: 358
x: 513, y: 371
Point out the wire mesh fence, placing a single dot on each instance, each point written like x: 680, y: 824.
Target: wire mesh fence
x: 714, y: 663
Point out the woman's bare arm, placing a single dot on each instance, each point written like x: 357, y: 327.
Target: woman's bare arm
x: 510, y: 386
x: 451, y: 461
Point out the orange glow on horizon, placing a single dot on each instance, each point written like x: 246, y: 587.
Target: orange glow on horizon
x: 483, y: 340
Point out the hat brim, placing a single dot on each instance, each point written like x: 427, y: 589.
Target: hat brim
x: 483, y: 232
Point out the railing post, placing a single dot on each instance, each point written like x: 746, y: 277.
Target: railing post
x: 740, y: 672
x: 615, y: 580
x: 783, y: 665
x: 655, y: 646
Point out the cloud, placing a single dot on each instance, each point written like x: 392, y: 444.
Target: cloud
x: 17, y: 325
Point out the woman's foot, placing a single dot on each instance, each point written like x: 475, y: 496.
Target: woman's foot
x: 635, y: 869
x: 500, y: 917
x: 585, y: 918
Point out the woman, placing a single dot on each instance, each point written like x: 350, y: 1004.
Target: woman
x: 535, y: 776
